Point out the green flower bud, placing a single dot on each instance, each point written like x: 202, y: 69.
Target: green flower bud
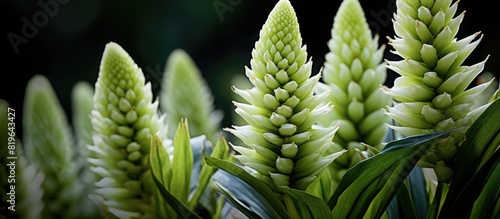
x: 289, y: 150
x: 280, y: 179
x: 356, y: 111
x: 442, y: 101
x: 271, y: 82
x: 281, y: 143
x: 431, y: 116
x: 433, y: 78
x: 284, y: 165
x: 287, y: 129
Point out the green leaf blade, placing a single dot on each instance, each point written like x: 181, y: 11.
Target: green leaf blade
x: 368, y: 178
x: 264, y: 190
x: 243, y: 196
x: 478, y: 150
x: 221, y: 151
x: 489, y: 197
x: 307, y: 205
x: 183, y: 163
x: 181, y: 210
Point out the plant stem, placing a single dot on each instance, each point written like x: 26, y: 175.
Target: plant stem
x: 436, y: 202
x: 218, y: 209
x: 290, y: 207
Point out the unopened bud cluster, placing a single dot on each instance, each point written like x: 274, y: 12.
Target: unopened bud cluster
x: 431, y: 90
x: 353, y: 74
x: 124, y: 119
x: 283, y: 146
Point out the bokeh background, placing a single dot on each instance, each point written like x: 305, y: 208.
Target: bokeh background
x: 218, y: 34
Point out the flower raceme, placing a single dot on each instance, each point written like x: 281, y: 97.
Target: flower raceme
x: 124, y: 119
x: 48, y: 144
x: 283, y: 146
x: 353, y: 73
x: 185, y: 94
x: 432, y: 92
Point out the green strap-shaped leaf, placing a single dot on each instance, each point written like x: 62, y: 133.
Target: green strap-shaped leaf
x: 262, y: 188
x: 479, y: 140
x: 236, y: 203
x: 464, y: 201
x: 405, y: 201
x: 160, y: 163
x: 182, y: 163
x: 243, y: 197
x: 221, y: 151
x: 418, y: 192
x: 411, y: 200
x: 307, y: 205
x: 482, y: 141
x: 175, y: 173
x: 181, y: 210
x: 161, y: 168
x: 489, y: 197
x: 436, y: 201
x: 380, y: 176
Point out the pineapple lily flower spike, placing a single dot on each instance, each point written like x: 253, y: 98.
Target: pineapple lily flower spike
x: 283, y: 146
x: 185, y: 94
x: 124, y: 120
x: 353, y: 73
x: 431, y: 92
x: 48, y: 144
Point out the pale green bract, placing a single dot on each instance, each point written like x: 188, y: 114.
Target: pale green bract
x: 124, y: 119
x: 283, y: 146
x: 353, y: 74
x: 432, y: 92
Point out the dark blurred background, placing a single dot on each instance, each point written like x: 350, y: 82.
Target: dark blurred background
x: 67, y: 42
